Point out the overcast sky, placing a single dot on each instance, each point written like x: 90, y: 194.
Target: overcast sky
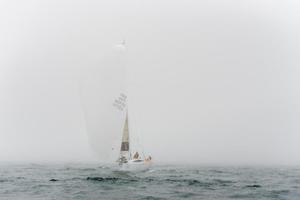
x: 208, y: 82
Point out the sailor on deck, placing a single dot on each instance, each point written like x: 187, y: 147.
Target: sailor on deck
x: 148, y: 159
x: 136, y: 155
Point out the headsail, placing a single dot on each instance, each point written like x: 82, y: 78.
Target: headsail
x: 125, y: 145
x: 125, y: 138
x: 120, y: 103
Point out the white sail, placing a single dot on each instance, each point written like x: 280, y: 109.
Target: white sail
x: 102, y: 125
x: 125, y: 145
x: 97, y: 87
x: 130, y: 158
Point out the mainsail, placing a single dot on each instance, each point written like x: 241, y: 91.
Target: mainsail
x: 120, y: 103
x: 125, y: 138
x: 125, y: 151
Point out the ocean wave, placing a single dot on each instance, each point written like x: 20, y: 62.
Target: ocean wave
x: 92, y: 182
x: 253, y: 186
x: 190, y: 182
x: 152, y: 198
x: 110, y: 179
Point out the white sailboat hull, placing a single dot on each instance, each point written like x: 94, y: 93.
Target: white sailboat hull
x: 132, y: 165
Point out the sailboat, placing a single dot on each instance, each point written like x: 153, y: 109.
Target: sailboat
x: 128, y: 159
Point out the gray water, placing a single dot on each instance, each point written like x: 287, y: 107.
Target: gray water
x: 160, y: 182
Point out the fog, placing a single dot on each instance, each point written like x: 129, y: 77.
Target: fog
x: 208, y: 82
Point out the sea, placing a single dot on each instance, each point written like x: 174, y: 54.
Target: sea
x: 94, y: 182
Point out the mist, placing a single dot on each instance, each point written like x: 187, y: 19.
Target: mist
x: 209, y: 82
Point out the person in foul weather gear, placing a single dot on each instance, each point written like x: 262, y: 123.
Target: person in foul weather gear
x: 136, y: 155
x: 148, y: 159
